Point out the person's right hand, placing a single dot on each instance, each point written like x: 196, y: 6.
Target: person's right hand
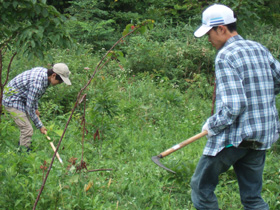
x: 205, y: 128
x: 43, y: 130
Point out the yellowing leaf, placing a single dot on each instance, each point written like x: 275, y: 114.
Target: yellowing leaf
x: 109, y: 183
x: 88, y: 186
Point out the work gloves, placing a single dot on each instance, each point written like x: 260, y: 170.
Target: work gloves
x: 206, y: 128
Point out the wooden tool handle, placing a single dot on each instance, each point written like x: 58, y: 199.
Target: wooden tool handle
x: 54, y: 149
x: 182, y: 144
x: 57, y: 155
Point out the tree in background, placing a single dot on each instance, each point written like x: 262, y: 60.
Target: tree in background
x: 99, y: 23
x: 29, y: 27
x: 60, y: 5
x: 92, y: 23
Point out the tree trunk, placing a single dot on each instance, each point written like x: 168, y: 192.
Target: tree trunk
x: 2, y: 85
x: 1, y: 97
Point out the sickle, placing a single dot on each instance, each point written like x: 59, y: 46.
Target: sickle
x: 176, y: 147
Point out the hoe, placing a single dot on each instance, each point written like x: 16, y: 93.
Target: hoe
x: 175, y: 148
x: 54, y: 149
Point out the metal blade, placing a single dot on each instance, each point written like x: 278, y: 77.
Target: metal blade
x: 155, y: 159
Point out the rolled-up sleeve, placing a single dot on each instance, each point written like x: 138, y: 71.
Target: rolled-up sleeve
x: 233, y: 98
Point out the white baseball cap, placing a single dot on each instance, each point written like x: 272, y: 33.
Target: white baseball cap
x: 215, y: 15
x: 63, y: 71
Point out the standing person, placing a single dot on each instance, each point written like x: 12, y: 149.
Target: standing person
x: 24, y: 91
x: 246, y: 121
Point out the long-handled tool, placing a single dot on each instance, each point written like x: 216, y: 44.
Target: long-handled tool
x: 51, y: 143
x: 54, y: 149
x: 175, y: 148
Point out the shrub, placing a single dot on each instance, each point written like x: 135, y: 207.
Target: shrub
x: 173, y: 59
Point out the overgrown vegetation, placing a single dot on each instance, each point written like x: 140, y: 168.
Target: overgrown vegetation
x: 155, y: 92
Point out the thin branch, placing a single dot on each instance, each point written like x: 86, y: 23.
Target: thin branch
x: 1, y: 68
x: 84, y: 126
x: 72, y: 112
x: 9, y: 68
x: 101, y: 169
x: 97, y: 67
x: 64, y: 131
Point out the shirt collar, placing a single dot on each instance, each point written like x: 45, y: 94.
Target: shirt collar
x: 233, y: 39
x: 46, y: 81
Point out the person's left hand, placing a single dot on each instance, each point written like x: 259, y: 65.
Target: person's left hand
x: 43, y: 130
x: 37, y: 112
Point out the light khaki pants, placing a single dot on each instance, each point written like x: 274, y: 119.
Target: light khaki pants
x: 23, y: 122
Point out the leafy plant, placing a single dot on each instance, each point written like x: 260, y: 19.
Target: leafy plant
x: 171, y: 60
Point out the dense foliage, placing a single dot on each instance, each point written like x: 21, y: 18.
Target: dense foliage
x: 154, y: 92
x: 96, y: 20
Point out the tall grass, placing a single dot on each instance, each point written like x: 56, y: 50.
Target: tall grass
x: 136, y: 117
x: 149, y: 118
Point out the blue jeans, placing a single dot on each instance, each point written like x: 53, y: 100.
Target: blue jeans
x: 248, y: 165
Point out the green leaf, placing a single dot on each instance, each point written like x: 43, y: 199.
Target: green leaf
x: 119, y: 53
x: 150, y: 26
x: 59, y: 132
x: 143, y: 29
x: 37, y: 9
x: 127, y: 29
x: 6, y: 4
x: 32, y: 44
x: 45, y: 13
x: 122, y: 59
x: 15, y: 3
x: 40, y: 34
x: 18, y: 202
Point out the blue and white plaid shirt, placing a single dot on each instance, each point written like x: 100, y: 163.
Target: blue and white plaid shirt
x: 25, y: 90
x: 247, y: 78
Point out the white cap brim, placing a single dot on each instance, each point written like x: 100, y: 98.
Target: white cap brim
x: 66, y: 80
x: 202, y: 30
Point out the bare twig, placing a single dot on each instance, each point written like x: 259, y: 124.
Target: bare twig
x: 101, y: 169
x: 7, y: 77
x: 1, y: 67
x: 72, y: 112
x: 9, y: 68
x: 84, y: 126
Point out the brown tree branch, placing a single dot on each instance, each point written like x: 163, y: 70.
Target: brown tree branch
x: 1, y: 68
x: 72, y: 112
x: 101, y: 169
x: 9, y: 68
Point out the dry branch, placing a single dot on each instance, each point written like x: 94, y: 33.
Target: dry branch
x: 74, y: 108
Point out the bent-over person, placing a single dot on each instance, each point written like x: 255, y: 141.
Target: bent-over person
x: 22, y: 95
